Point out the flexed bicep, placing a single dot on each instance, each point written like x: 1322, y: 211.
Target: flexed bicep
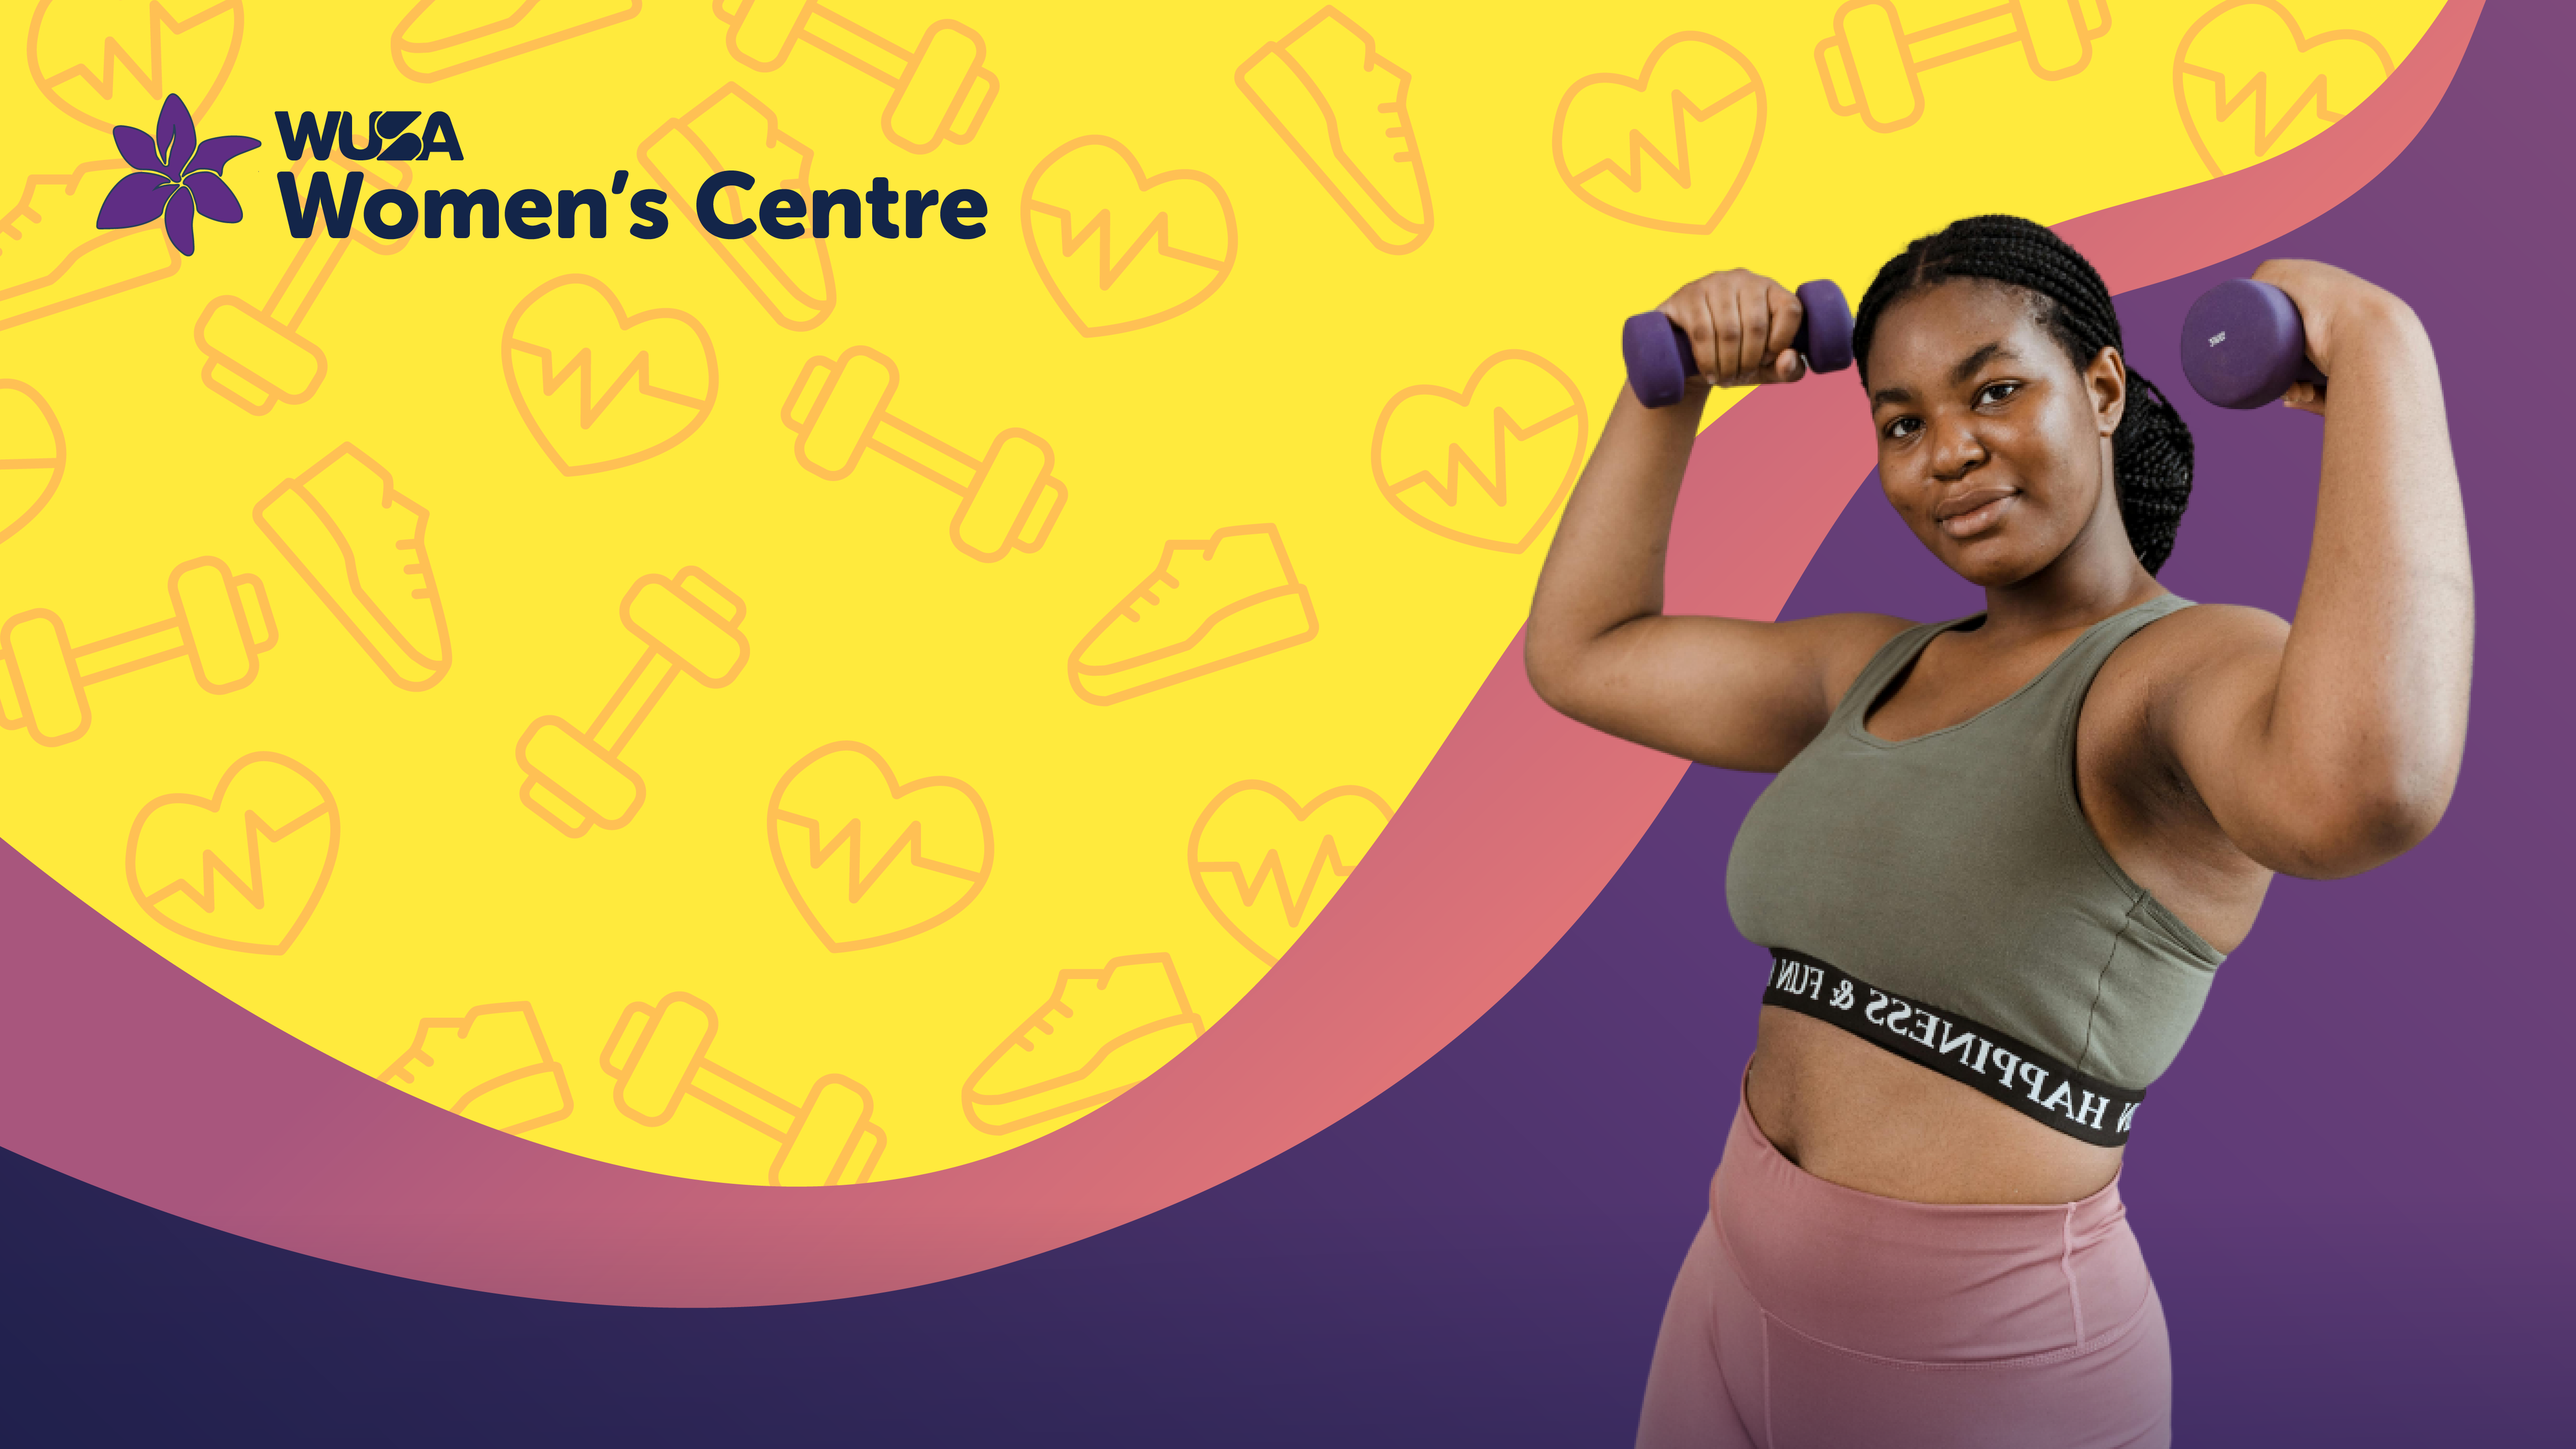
x: 2335, y: 742
x: 2292, y: 777
x: 1739, y: 694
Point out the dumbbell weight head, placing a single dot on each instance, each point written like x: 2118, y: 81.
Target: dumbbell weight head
x: 1825, y: 332
x: 835, y: 405
x: 936, y: 86
x: 223, y: 624
x: 654, y: 1052
x: 1876, y: 68
x: 969, y: 118
x: 253, y: 360
x: 2055, y: 35
x: 2243, y: 344
x: 759, y: 33
x: 1013, y: 501
x: 832, y: 1141
x: 1659, y: 352
x: 223, y: 621
x: 690, y: 620
x: 573, y: 782
x: 40, y: 690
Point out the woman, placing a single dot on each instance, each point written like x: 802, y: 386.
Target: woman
x: 2004, y: 854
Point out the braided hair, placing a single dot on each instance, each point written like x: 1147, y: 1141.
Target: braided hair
x: 2151, y: 449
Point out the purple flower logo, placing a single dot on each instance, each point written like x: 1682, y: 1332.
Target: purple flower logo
x: 176, y: 178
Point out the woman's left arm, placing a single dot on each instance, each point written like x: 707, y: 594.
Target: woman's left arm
x: 2334, y: 747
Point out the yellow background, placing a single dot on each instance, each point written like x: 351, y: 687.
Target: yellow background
x: 1255, y: 407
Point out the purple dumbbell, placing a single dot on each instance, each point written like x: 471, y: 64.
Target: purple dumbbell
x: 2243, y: 345
x: 1659, y: 352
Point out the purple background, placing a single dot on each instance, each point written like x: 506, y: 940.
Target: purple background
x: 2353, y: 1187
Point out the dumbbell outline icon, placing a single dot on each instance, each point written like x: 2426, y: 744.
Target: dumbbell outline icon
x: 2056, y: 37
x: 833, y: 429
x: 820, y: 1140
x: 947, y: 51
x: 575, y: 779
x: 220, y: 623
x: 291, y: 372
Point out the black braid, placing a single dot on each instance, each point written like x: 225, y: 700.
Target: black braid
x: 2151, y: 450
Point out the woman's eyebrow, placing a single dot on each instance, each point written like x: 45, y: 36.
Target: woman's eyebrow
x: 1997, y: 350
x: 1968, y: 365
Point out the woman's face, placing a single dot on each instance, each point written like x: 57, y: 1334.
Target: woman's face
x: 1994, y: 448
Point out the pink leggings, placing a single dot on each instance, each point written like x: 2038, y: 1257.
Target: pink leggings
x: 1809, y: 1315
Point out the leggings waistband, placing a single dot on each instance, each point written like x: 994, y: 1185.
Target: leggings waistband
x: 1930, y: 1282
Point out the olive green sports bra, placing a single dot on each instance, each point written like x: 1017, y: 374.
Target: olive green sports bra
x: 1945, y: 898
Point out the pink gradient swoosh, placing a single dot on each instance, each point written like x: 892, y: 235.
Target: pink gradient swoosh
x: 124, y: 1071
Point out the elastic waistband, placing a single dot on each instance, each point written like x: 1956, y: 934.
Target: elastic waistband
x: 2011, y: 1071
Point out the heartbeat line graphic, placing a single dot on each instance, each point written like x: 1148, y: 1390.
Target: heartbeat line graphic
x: 2255, y: 92
x: 907, y: 845
x: 1640, y: 150
x: 114, y: 55
x: 1157, y: 232
x: 1494, y: 485
x: 1270, y: 872
x: 249, y: 883
x: 639, y: 369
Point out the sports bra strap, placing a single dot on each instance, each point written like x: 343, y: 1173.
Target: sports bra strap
x: 2069, y: 675
x: 1892, y: 656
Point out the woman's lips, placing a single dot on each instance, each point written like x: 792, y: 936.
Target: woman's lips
x: 1978, y: 519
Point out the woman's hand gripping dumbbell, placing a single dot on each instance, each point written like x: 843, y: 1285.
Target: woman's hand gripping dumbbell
x: 2246, y: 341
x: 1735, y: 328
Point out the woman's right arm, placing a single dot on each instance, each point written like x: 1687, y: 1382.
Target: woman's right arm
x: 1740, y: 694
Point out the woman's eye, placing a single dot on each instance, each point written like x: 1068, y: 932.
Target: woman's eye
x: 1995, y: 392
x: 1903, y: 427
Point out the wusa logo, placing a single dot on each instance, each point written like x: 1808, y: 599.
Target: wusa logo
x: 176, y: 178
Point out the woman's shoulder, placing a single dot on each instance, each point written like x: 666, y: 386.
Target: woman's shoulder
x: 1873, y: 629
x: 2195, y: 643
x: 1842, y: 645
x: 2204, y: 629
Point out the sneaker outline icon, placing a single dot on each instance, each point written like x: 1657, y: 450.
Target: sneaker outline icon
x: 525, y: 362
x: 26, y: 474
x: 1150, y: 280
x: 1295, y: 83
x: 147, y: 64
x: 367, y: 580
x: 1120, y: 1024
x: 1250, y: 604
x: 83, y: 264
x: 718, y: 134
x: 2193, y: 63
x: 508, y: 37
x: 916, y: 848
x: 1243, y: 893
x: 292, y: 793
x: 512, y: 1083
x: 1434, y: 499
x: 1615, y: 178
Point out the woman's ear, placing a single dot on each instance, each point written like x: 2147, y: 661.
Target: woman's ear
x: 2107, y: 383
